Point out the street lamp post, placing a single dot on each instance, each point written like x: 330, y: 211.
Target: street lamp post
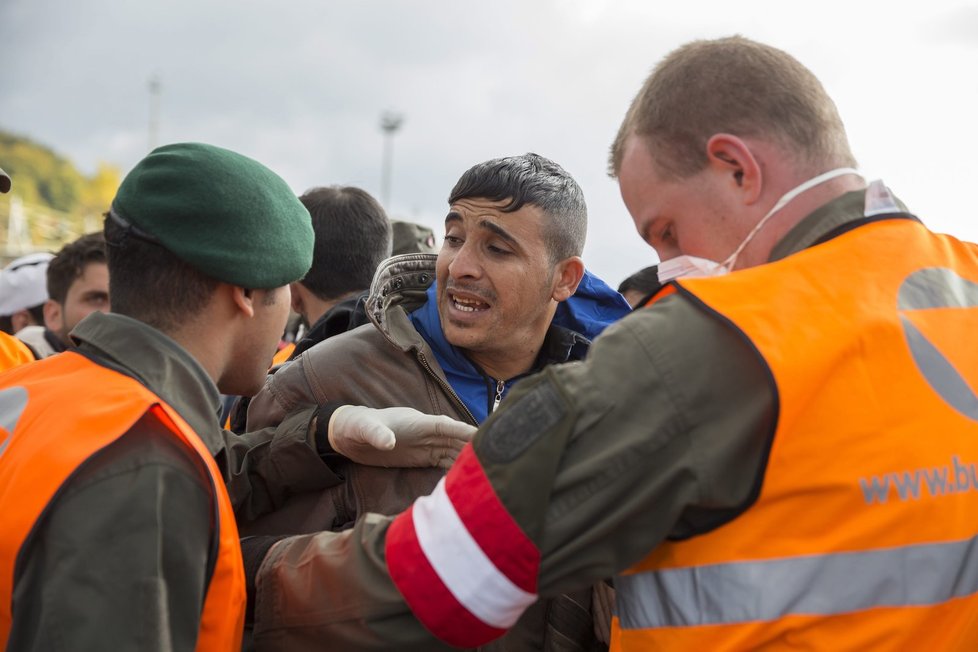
x: 154, y: 111
x: 389, y: 123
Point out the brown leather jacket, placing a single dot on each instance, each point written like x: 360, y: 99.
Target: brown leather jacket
x: 387, y: 364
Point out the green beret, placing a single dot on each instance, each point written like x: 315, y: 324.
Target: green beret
x: 223, y: 213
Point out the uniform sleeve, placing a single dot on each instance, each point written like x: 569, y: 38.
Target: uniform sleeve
x: 121, y: 559
x: 331, y: 590
x: 672, y: 419
x: 265, y: 467
x: 279, y: 456
x: 285, y: 391
x: 663, y: 431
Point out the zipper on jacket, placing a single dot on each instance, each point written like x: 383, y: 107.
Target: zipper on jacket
x: 448, y: 389
x: 500, y: 388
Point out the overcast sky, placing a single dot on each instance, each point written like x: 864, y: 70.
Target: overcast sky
x: 301, y: 85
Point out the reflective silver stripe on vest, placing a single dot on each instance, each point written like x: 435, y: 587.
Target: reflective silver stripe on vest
x: 936, y: 287
x: 940, y: 373
x: 12, y: 404
x: 926, y: 289
x: 736, y: 592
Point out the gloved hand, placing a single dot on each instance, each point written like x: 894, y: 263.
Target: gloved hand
x: 397, y: 436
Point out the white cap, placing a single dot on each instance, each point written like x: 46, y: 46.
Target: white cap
x: 24, y: 283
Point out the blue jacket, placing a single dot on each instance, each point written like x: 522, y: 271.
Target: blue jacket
x: 576, y: 322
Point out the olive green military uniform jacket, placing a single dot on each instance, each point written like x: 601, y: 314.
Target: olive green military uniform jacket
x: 120, y: 559
x: 661, y: 432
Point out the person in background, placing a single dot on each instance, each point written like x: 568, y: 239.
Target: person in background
x: 341, y: 261
x: 353, y: 236
x: 23, y: 291
x: 13, y: 352
x: 77, y: 285
x: 412, y: 238
x: 640, y: 286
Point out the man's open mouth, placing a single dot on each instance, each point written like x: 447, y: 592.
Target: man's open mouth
x: 468, y: 305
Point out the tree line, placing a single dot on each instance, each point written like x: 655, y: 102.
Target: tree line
x: 59, y: 201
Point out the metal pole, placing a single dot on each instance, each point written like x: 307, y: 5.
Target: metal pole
x: 154, y: 111
x: 389, y: 123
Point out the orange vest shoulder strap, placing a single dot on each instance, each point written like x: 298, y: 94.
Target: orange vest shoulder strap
x: 34, y: 418
x: 13, y: 352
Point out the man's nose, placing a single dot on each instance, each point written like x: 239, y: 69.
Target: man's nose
x: 466, y: 263
x: 666, y: 251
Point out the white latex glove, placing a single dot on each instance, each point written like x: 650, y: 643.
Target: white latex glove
x: 367, y: 436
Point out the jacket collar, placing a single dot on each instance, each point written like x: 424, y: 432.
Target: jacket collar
x: 823, y: 222
x: 340, y: 318
x: 560, y: 344
x: 140, y: 351
x: 400, y: 281
x: 473, y: 386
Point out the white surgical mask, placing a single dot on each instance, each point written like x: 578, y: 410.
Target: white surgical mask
x: 686, y: 266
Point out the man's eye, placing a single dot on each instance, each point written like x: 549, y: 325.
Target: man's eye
x: 498, y: 250
x: 453, y: 240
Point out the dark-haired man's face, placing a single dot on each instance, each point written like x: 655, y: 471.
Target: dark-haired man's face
x: 495, y: 281
x: 88, y: 293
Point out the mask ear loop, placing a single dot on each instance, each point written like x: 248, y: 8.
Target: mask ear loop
x: 727, y: 265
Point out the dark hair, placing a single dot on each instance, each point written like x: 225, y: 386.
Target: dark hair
x: 532, y: 179
x: 70, y: 263
x: 149, y: 283
x: 36, y: 313
x: 353, y: 236
x: 645, y: 280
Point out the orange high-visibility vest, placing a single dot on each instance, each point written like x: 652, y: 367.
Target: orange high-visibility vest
x: 44, y: 438
x: 13, y: 352
x: 864, y: 532
x: 282, y: 356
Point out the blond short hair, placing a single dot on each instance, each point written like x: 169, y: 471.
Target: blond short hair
x: 737, y: 86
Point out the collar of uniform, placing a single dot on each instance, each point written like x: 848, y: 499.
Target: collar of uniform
x: 159, y: 363
x: 560, y: 345
x: 344, y: 316
x: 399, y: 281
x: 825, y: 219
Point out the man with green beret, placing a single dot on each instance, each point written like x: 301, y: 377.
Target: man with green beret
x: 119, y: 532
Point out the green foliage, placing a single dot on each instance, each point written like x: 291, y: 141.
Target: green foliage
x: 41, y: 176
x: 100, y: 189
x: 55, y: 201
